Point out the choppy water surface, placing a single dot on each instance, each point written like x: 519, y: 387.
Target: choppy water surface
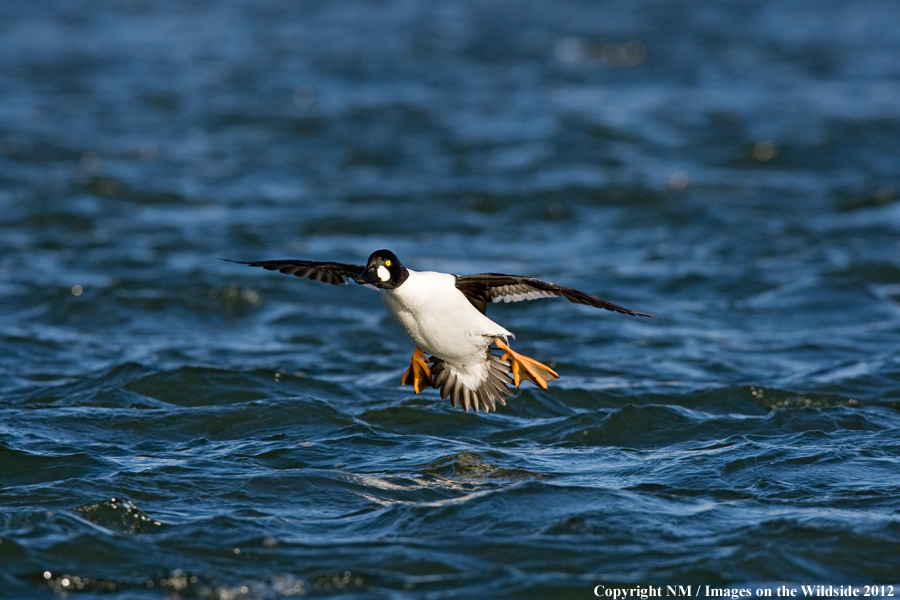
x: 175, y: 426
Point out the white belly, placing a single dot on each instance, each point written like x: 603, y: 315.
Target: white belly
x: 439, y: 318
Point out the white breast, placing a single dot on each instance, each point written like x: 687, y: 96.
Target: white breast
x: 440, y: 319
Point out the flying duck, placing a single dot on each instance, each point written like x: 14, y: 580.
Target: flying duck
x: 445, y: 315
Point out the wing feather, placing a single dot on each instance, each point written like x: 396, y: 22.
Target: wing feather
x: 327, y: 272
x: 496, y: 287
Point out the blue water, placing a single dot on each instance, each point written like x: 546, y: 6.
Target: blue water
x: 175, y: 426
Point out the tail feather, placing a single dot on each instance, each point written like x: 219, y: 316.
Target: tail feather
x: 492, y: 390
x: 456, y: 395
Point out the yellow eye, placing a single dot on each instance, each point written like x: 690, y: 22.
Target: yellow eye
x: 387, y: 263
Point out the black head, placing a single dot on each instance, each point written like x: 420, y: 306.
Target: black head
x: 384, y: 271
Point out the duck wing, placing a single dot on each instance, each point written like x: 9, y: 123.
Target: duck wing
x: 327, y: 272
x: 497, y: 287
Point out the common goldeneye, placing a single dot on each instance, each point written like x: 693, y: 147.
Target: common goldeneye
x: 445, y: 316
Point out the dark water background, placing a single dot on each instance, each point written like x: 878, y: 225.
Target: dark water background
x: 732, y: 167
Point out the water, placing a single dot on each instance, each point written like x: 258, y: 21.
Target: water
x: 175, y: 426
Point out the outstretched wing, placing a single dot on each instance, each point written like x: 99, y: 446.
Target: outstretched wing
x: 329, y: 272
x: 495, y: 287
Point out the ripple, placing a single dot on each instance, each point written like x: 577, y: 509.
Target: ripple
x: 118, y: 515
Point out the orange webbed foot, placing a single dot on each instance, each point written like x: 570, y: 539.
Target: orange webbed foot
x: 523, y: 367
x: 418, y: 374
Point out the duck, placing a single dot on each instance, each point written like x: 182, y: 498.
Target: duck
x: 459, y: 350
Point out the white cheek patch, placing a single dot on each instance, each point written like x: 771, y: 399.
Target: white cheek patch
x: 383, y: 273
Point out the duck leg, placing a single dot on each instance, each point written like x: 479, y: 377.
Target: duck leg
x: 418, y: 374
x: 523, y: 367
